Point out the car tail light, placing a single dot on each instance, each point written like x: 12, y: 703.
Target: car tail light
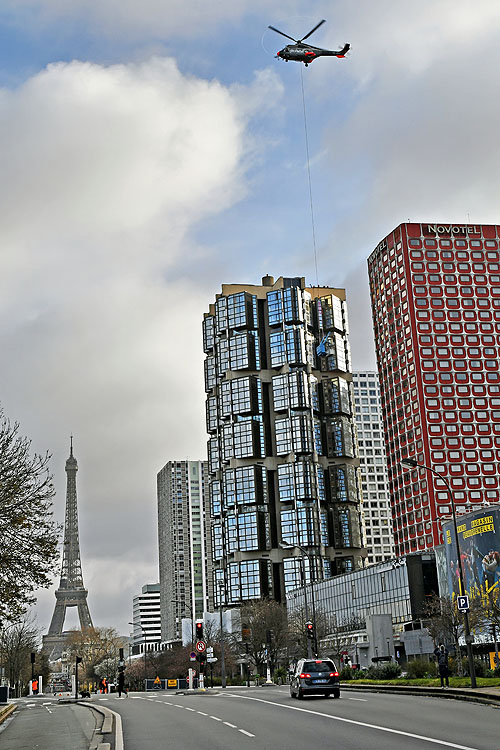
x: 334, y: 674
x: 304, y: 675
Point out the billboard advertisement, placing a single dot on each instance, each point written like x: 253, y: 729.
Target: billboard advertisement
x: 479, y: 542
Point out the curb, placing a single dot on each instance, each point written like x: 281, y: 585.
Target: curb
x: 5, y: 713
x: 111, y: 720
x: 492, y: 699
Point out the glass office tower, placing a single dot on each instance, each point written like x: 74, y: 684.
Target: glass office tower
x: 282, y: 455
x: 184, y: 551
x: 373, y: 467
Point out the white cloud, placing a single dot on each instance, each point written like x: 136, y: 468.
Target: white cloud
x: 106, y: 173
x: 137, y: 18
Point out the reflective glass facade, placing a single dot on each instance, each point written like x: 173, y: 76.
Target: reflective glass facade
x: 279, y: 414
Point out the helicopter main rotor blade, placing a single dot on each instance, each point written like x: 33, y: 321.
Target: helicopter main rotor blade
x: 282, y: 34
x: 312, y: 30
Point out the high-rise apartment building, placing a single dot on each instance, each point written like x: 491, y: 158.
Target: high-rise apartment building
x: 184, y: 545
x: 373, y: 467
x: 146, y: 619
x: 283, y: 466
x: 435, y: 292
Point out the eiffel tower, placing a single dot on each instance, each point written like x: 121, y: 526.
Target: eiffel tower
x: 71, y: 591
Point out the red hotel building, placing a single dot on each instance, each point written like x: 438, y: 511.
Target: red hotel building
x: 435, y: 292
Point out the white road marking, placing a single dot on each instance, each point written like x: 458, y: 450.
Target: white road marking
x: 47, y: 704
x: 215, y: 718
x: 48, y: 709
x: 178, y: 706
x: 357, y: 723
x: 201, y: 712
x: 233, y: 726
x: 136, y: 698
x: 189, y: 709
x: 243, y: 731
x: 358, y: 699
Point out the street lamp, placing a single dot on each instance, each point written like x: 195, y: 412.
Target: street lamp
x: 137, y: 625
x: 411, y: 463
x: 303, y: 566
x: 222, y: 662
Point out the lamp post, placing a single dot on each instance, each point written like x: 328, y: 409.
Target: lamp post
x: 411, y: 463
x: 222, y: 662
x: 303, y: 566
x: 137, y: 625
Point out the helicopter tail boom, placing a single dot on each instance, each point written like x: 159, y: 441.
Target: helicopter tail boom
x: 338, y: 53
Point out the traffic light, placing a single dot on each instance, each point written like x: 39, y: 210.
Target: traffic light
x: 33, y: 656
x: 199, y: 631
x: 121, y: 654
x: 269, y: 636
x: 202, y: 660
x: 309, y: 629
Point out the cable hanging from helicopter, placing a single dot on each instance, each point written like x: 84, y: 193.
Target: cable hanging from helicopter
x: 306, y: 53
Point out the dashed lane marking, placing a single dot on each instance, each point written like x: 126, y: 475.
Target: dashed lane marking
x: 215, y: 718
x: 233, y: 726
x: 243, y: 731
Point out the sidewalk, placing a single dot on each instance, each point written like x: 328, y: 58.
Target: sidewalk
x: 62, y: 728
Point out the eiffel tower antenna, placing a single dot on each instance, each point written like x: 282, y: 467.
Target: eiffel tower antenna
x: 71, y: 591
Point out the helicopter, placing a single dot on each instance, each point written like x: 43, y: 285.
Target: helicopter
x: 306, y: 53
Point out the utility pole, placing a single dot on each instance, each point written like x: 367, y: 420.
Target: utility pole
x: 77, y: 662
x: 222, y: 664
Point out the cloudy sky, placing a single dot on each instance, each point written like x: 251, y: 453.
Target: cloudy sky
x: 152, y: 150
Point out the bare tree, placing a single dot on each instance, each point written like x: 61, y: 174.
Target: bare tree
x: 94, y: 645
x: 17, y: 641
x: 28, y: 534
x: 265, y: 626
x: 445, y: 622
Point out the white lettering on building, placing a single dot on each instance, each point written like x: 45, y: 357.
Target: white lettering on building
x: 451, y: 229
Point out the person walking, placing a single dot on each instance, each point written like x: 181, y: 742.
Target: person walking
x: 441, y: 654
x: 121, y: 685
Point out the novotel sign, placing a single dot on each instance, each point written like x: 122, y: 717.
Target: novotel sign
x: 451, y: 229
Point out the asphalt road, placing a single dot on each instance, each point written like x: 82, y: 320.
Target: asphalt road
x: 267, y: 718
x: 44, y: 724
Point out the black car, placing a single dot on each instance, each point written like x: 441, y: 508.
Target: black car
x: 315, y: 677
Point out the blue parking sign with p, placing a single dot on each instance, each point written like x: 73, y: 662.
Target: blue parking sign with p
x: 463, y: 603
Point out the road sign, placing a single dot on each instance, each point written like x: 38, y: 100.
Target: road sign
x: 463, y: 603
x: 200, y: 646
x: 212, y: 659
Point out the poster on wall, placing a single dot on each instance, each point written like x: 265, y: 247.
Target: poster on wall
x: 479, y: 542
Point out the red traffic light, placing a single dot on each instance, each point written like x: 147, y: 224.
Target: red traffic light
x: 199, y: 631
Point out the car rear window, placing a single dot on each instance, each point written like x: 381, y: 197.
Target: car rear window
x: 318, y: 666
